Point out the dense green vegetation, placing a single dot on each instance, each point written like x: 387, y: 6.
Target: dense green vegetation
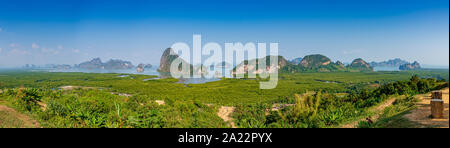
x: 391, y: 116
x: 323, y: 110
x: 339, y: 97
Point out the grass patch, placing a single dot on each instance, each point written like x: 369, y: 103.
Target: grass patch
x: 196, y: 106
x: 7, y: 120
x: 392, y: 116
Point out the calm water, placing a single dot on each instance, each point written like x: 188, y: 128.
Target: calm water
x: 151, y: 71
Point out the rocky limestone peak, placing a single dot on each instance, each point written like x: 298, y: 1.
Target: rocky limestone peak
x: 361, y: 65
x: 315, y: 60
x: 251, y: 65
x: 97, y: 63
x: 167, y: 58
x: 339, y: 63
x: 141, y: 67
x: 410, y: 66
x: 296, y: 61
x: 390, y: 63
x: 118, y: 64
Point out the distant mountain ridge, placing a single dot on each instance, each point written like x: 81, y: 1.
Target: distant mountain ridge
x: 250, y: 66
x: 389, y: 63
x: 309, y: 63
x: 361, y: 65
x: 397, y: 62
x: 97, y: 63
x: 296, y: 61
x: 315, y: 60
x: 410, y: 66
x: 321, y: 63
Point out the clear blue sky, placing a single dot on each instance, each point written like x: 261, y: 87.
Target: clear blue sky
x: 72, y: 31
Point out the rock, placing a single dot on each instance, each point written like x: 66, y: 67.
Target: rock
x: 167, y: 58
x: 296, y: 61
x: 315, y: 60
x: 148, y: 66
x: 141, y: 67
x: 250, y: 66
x: 118, y: 64
x: 315, y: 63
x: 360, y: 64
x: 410, y: 66
x: 97, y: 63
x: 390, y: 63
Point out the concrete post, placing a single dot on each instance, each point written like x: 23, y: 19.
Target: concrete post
x: 436, y: 94
x: 437, y: 108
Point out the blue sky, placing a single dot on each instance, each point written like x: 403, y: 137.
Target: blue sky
x: 44, y: 31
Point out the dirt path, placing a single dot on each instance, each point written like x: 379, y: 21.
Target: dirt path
x: 421, y: 114
x: 378, y: 110
x: 225, y: 113
x: 27, y: 121
x: 160, y: 102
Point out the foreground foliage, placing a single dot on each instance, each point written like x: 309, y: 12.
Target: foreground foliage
x: 337, y: 97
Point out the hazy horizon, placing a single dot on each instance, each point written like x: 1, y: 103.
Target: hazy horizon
x: 71, y: 32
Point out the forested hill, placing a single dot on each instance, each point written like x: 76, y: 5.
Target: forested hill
x: 321, y: 63
x: 309, y: 63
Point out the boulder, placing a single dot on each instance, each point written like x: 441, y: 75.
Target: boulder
x: 410, y: 66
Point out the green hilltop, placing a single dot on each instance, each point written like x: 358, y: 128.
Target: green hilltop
x: 310, y: 63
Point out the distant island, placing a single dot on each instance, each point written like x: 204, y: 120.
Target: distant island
x: 309, y: 63
x: 397, y: 63
x: 96, y: 63
x: 389, y: 63
x: 410, y: 66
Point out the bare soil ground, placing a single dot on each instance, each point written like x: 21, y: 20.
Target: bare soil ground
x: 225, y: 113
x: 421, y: 114
x: 160, y: 102
x: 10, y: 118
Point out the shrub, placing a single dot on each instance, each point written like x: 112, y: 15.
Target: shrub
x: 27, y: 99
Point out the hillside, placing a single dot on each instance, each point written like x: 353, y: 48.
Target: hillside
x: 316, y: 60
x: 360, y: 64
x: 251, y: 66
x: 310, y: 63
x: 320, y: 63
